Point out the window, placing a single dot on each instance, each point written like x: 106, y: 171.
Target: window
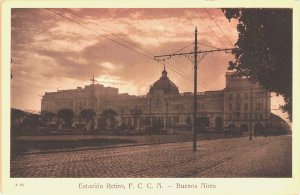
x: 237, y: 116
x: 141, y: 120
x: 246, y: 107
x: 230, y: 96
x: 258, y: 106
x: 230, y: 116
x: 245, y: 116
x: 238, y: 107
x: 179, y: 107
x: 176, y: 119
x: 259, y: 94
x: 230, y: 107
x: 238, y: 96
x: 261, y: 116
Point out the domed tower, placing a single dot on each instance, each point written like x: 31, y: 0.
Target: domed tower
x: 163, y: 86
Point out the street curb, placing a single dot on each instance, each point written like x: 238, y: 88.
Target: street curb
x: 114, y: 146
x: 95, y: 148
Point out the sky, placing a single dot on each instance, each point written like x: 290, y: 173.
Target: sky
x: 55, y: 49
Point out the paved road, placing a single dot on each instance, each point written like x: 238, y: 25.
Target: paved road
x: 236, y: 157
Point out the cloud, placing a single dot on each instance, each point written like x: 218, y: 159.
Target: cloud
x: 109, y: 66
x: 49, y: 51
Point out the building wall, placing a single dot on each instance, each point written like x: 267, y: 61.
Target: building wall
x: 77, y: 99
x: 243, y: 100
x: 230, y: 106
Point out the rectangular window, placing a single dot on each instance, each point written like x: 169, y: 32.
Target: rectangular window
x: 238, y: 107
x: 141, y: 121
x: 176, y: 119
x: 259, y: 94
x: 178, y: 107
x: 230, y: 96
x: 261, y: 116
x: 230, y: 107
x: 246, y: 107
x: 123, y: 121
x: 230, y: 116
x: 257, y: 106
x: 245, y: 116
x: 238, y: 115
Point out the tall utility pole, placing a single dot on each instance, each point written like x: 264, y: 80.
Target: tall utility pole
x: 251, y: 105
x: 196, y: 61
x: 266, y: 114
x: 195, y: 93
x: 150, y: 113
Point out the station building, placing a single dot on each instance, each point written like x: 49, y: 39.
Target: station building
x: 240, y: 103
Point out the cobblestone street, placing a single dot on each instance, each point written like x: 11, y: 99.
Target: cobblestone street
x: 236, y: 157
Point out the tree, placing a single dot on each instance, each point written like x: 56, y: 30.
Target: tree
x: 17, y: 119
x: 264, y: 51
x: 46, y: 116
x: 87, y: 114
x: 109, y: 115
x: 66, y: 115
x: 25, y: 121
x: 16, y: 113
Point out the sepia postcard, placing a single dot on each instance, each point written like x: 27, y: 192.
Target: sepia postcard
x: 132, y: 97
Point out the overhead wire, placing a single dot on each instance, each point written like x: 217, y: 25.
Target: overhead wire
x: 208, y: 45
x: 218, y: 27
x: 178, y: 71
x: 142, y: 52
x: 188, y: 75
x: 221, y: 40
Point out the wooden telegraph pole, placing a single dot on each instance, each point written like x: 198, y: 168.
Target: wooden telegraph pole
x: 195, y: 93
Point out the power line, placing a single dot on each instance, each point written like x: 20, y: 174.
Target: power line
x: 192, y: 44
x: 132, y: 44
x: 173, y: 68
x: 117, y: 42
x: 142, y: 49
x: 221, y: 41
x: 183, y: 48
x: 178, y: 71
x: 218, y: 27
x: 208, y: 45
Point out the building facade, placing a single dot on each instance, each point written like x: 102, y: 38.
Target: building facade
x: 240, y: 104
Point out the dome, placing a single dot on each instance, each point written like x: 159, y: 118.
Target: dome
x: 165, y: 85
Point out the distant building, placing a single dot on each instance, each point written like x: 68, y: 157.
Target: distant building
x: 164, y: 108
